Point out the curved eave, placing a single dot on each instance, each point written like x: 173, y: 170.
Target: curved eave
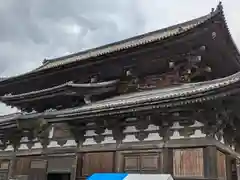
x: 162, y: 98
x: 237, y: 53
x: 142, y: 101
x: 151, y: 37
x: 64, y: 89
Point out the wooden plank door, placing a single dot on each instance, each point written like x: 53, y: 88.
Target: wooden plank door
x: 100, y: 162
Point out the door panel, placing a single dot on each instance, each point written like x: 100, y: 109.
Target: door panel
x: 38, y: 169
x: 141, y: 162
x: 97, y: 163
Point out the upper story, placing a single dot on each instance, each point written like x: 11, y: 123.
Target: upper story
x: 192, y: 51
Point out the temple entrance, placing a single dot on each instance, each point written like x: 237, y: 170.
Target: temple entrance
x: 58, y: 176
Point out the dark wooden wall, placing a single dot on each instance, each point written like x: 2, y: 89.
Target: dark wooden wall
x: 182, y: 163
x: 188, y: 163
x: 90, y: 163
x: 22, y: 166
x: 4, y: 166
x: 31, y: 167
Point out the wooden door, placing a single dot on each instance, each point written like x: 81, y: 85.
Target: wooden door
x: 100, y: 162
x: 141, y: 162
x: 188, y: 162
x: 38, y: 169
x: 60, y: 164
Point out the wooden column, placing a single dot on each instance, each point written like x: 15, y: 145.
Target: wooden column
x: 237, y: 149
x: 12, y: 166
x: 75, y: 164
x: 238, y: 168
x: 210, y: 162
x: 14, y: 140
x: 167, y: 160
x: 229, y: 167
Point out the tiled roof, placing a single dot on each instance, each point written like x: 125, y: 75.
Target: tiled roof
x: 128, y: 43
x: 121, y: 45
x: 191, y: 92
x: 159, y: 95
x: 58, y: 88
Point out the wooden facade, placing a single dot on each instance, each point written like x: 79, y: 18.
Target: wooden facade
x: 188, y: 163
x: 183, y: 163
x: 157, y: 103
x: 183, y: 157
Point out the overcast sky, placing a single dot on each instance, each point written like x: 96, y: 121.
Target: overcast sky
x: 31, y: 30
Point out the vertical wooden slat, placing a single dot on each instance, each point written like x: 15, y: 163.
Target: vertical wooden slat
x: 229, y: 167
x: 188, y: 162
x: 221, y: 165
x: 97, y: 162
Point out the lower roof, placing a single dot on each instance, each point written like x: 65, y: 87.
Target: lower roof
x: 161, y: 98
x: 172, y: 97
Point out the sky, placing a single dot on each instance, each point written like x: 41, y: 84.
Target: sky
x: 32, y: 30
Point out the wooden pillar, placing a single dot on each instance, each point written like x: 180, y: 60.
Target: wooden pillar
x: 210, y: 162
x: 75, y: 164
x: 237, y: 149
x: 15, y: 141
x: 229, y: 167
x: 238, y: 168
x: 13, y: 165
x: 167, y: 160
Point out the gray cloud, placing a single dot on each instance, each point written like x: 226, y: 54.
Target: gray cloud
x: 32, y: 30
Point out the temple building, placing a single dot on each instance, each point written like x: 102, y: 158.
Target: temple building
x: 163, y: 102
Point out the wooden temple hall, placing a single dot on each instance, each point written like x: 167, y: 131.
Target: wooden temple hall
x: 162, y: 102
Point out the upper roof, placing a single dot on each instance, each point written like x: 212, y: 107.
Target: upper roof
x: 147, y: 38
x: 127, y: 43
